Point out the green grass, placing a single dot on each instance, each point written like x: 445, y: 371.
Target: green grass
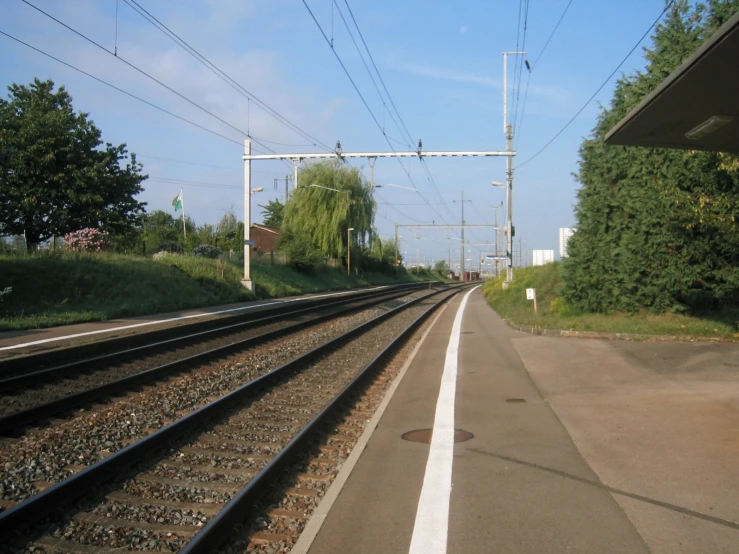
x: 274, y: 281
x: 51, y: 289
x: 512, y: 305
x: 58, y: 289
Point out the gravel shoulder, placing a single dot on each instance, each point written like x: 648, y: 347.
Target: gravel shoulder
x: 48, y: 455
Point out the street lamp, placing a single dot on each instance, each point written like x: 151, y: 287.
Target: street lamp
x: 397, y: 187
x: 258, y: 189
x: 349, y: 250
x: 327, y: 188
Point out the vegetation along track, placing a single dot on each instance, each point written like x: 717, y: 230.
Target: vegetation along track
x: 200, y: 475
x: 31, y: 396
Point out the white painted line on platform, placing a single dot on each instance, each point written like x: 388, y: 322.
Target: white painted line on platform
x: 432, y: 517
x: 311, y: 529
x: 157, y: 322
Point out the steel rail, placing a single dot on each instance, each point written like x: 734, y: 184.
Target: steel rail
x: 218, y: 529
x: 61, y: 494
x: 79, y: 366
x: 13, y: 365
x: 16, y: 421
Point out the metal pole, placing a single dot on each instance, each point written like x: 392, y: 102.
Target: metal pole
x: 286, y: 193
x: 372, y: 172
x: 450, y: 257
x: 505, y: 92
x: 184, y: 229
x: 508, y: 132
x: 496, y: 240
x: 509, y: 211
x: 349, y: 251
x: 247, y: 282
x: 295, y: 173
x: 461, y: 263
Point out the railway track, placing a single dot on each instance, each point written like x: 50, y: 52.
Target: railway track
x: 188, y: 484
x: 29, y: 395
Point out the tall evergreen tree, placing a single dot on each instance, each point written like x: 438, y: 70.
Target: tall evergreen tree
x: 656, y: 228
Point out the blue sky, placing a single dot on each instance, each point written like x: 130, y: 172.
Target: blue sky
x: 441, y: 61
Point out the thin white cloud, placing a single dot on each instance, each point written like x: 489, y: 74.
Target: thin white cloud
x: 446, y: 74
x: 463, y: 29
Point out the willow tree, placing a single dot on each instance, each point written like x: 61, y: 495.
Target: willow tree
x: 322, y: 214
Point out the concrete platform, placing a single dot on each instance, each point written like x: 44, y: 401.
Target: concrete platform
x: 617, y: 447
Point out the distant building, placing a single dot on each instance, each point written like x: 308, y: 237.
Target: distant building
x: 542, y: 257
x: 265, y: 238
x: 564, y: 237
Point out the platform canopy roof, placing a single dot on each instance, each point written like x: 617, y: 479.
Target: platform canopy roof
x: 696, y: 107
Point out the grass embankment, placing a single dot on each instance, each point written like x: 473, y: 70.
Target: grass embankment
x: 512, y: 305
x: 274, y: 281
x: 63, y: 288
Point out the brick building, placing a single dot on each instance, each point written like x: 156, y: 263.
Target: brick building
x: 265, y: 238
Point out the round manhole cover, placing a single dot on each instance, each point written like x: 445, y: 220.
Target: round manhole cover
x: 424, y: 435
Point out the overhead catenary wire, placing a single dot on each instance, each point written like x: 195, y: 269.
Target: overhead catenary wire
x: 149, y: 76
x: 533, y: 66
x: 395, y: 108
x: 562, y: 130
x: 361, y: 96
x: 120, y: 89
x: 369, y: 72
x: 520, y: 62
x: 138, y: 8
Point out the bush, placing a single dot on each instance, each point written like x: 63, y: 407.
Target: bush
x: 86, y: 240
x: 207, y: 251
x: 170, y: 246
x: 303, y: 256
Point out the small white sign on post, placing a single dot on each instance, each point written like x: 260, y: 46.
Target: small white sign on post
x: 531, y: 295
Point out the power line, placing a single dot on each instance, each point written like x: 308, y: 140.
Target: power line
x: 392, y: 103
x: 361, y: 96
x: 561, y: 17
x: 120, y: 89
x: 132, y: 66
x: 382, y: 82
x: 536, y: 61
x: 517, y: 105
x: 222, y: 75
x: 361, y: 56
x: 369, y: 72
x: 667, y: 7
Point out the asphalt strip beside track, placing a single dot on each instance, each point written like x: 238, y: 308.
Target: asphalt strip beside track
x: 160, y: 321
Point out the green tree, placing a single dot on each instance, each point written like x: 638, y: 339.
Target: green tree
x: 441, y: 266
x: 324, y: 215
x: 55, y: 175
x: 656, y: 228
x: 159, y: 228
x: 273, y: 214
